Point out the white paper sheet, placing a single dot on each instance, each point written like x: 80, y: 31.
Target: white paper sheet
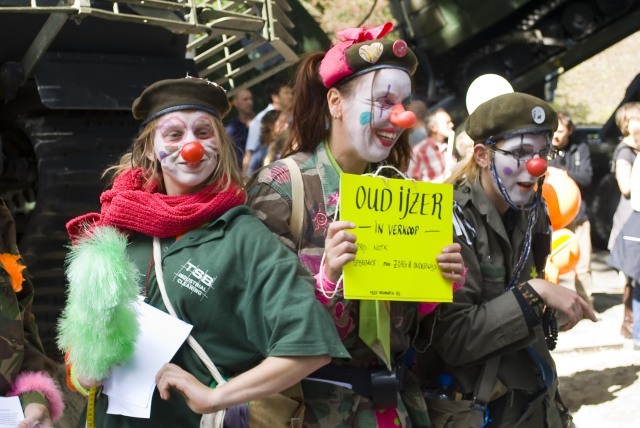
x: 131, y: 385
x: 10, y: 412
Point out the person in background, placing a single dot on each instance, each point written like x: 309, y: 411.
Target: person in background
x: 25, y: 370
x: 625, y: 255
x: 575, y: 158
x: 464, y: 147
x: 238, y: 127
x: 627, y: 119
x: 176, y: 215
x: 494, y: 340
x: 418, y: 133
x: 430, y: 160
x: 274, y: 151
x: 280, y: 96
x: 268, y: 136
x: 343, y: 123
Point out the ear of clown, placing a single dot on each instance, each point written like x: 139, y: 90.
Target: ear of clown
x: 482, y: 155
x: 334, y: 99
x: 149, y: 150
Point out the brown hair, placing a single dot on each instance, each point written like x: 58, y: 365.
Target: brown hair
x: 226, y: 171
x: 624, y: 114
x: 565, y: 119
x: 267, y: 124
x: 311, y: 113
x: 468, y: 171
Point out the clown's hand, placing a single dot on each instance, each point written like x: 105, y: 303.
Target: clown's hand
x: 451, y: 265
x: 36, y: 415
x: 339, y: 248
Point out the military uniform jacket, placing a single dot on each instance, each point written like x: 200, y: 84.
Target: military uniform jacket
x: 485, y: 319
x: 270, y: 196
x: 20, y: 345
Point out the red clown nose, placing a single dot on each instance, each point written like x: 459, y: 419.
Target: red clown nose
x: 192, y: 152
x: 402, y: 118
x: 536, y: 166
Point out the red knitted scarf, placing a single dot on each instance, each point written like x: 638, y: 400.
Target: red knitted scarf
x: 129, y: 207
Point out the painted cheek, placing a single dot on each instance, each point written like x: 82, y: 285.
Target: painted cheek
x: 168, y: 150
x: 365, y: 117
x: 507, y: 171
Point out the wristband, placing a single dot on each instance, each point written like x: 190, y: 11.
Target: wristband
x: 76, y: 384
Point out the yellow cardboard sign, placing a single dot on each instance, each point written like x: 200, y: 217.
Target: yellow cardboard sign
x: 401, y: 226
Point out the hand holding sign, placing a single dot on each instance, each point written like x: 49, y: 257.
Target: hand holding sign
x: 402, y: 226
x: 339, y: 248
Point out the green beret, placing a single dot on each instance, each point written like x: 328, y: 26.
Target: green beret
x: 189, y: 93
x: 510, y: 114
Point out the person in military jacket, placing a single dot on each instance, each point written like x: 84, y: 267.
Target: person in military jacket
x: 343, y: 123
x: 25, y: 371
x: 503, y: 317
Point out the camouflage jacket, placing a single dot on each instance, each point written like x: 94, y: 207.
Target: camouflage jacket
x: 269, y: 194
x: 20, y: 346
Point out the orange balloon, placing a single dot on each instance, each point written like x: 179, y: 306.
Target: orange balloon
x: 565, y: 252
x: 562, y: 195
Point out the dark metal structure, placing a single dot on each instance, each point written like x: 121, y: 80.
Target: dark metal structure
x: 69, y: 72
x: 530, y: 43
x: 70, y: 69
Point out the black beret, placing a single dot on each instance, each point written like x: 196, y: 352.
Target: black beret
x: 510, y: 114
x: 189, y: 93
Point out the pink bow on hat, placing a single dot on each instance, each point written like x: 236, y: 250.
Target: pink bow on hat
x: 363, y: 34
x: 334, y: 67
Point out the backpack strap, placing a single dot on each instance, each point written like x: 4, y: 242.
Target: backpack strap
x: 482, y: 393
x: 215, y: 420
x: 297, y: 199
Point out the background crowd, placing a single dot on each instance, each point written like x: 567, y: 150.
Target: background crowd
x: 240, y: 199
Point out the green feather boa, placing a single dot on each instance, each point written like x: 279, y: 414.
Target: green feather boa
x: 98, y: 325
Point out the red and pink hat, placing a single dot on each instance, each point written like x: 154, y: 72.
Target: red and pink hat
x: 360, y: 51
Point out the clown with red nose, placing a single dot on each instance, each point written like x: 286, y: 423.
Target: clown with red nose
x: 513, y: 133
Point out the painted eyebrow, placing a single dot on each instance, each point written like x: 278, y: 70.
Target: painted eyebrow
x: 203, y: 118
x: 171, y: 120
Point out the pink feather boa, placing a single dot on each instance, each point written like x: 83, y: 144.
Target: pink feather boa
x: 40, y: 382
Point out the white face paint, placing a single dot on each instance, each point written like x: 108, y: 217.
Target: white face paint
x: 173, y: 131
x: 519, y: 184
x: 366, y: 112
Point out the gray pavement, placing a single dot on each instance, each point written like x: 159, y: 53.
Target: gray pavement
x: 598, y: 369
x: 607, y: 294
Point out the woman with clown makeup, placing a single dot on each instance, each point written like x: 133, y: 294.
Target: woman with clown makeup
x: 349, y: 116
x: 494, y: 339
x: 174, y: 231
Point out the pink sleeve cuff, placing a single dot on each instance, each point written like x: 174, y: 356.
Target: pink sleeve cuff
x: 324, y: 283
x: 40, y: 382
x: 426, y: 308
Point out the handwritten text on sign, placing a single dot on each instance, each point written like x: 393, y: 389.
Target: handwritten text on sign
x: 402, y: 226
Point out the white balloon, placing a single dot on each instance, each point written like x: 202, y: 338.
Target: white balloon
x: 485, y: 87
